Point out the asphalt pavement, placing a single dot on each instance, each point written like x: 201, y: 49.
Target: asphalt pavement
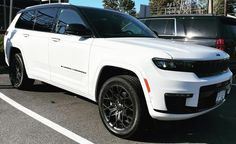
x: 81, y: 117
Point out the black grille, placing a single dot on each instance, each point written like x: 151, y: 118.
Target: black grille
x: 210, y: 68
x: 207, y: 97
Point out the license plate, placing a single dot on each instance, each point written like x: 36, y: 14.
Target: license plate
x: 220, y: 96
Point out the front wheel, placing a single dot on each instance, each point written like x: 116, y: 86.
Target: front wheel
x: 17, y: 73
x: 120, y: 106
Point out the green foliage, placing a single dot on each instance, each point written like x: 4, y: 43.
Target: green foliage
x: 126, y: 6
x: 1, y: 43
x: 218, y: 7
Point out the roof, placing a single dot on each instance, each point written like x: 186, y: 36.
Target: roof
x: 56, y: 5
x: 46, y: 6
x: 182, y: 16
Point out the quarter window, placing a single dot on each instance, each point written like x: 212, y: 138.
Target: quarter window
x: 67, y: 17
x: 26, y: 20
x: 45, y: 19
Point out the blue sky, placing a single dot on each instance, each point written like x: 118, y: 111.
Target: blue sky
x: 98, y: 3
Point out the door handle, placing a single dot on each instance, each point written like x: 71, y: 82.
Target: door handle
x: 56, y: 39
x: 26, y: 35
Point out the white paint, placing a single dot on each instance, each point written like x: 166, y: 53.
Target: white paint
x: 45, y: 121
x: 233, y: 84
x: 75, y: 64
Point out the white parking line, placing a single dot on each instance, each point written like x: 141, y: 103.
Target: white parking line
x: 45, y: 121
x: 233, y: 84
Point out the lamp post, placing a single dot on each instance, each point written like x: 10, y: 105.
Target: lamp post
x: 210, y: 6
x: 225, y: 7
x: 4, y: 14
x: 10, y: 13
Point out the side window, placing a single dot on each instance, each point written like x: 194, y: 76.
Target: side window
x: 163, y: 26
x: 200, y: 27
x: 66, y: 17
x: 26, y: 20
x: 45, y: 19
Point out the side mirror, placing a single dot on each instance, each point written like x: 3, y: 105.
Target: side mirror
x: 79, y: 30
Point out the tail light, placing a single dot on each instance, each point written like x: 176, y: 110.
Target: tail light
x: 220, y: 44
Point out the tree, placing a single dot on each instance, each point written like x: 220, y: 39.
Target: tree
x: 156, y: 6
x: 126, y: 6
x: 231, y: 6
x: 218, y: 7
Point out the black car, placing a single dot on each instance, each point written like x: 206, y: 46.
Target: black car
x: 213, y: 31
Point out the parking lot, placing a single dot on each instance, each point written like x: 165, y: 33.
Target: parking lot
x: 80, y: 117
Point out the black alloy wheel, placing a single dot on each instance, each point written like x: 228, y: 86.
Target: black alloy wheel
x: 119, y: 105
x: 17, y: 73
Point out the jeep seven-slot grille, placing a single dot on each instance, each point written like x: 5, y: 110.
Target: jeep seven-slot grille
x: 210, y: 68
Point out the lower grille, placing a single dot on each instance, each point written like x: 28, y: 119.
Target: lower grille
x: 208, y: 94
x: 207, y: 100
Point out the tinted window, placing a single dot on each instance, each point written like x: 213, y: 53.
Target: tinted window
x: 26, y: 20
x: 229, y: 30
x: 45, y: 19
x: 66, y: 17
x: 113, y: 24
x: 204, y: 27
x: 162, y: 26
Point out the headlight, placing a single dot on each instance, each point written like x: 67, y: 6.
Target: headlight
x: 174, y: 65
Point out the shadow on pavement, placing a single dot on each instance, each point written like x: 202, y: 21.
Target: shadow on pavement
x: 47, y: 88
x: 3, y: 70
x: 218, y: 127
x: 43, y: 87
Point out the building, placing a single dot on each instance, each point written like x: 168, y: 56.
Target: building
x: 6, y: 14
x: 144, y: 11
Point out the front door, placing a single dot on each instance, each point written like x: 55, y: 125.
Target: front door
x: 69, y: 54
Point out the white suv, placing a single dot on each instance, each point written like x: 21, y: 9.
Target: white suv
x: 115, y: 60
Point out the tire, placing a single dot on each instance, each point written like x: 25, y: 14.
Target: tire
x: 121, y: 105
x: 17, y: 73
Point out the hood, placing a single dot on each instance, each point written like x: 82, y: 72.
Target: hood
x: 176, y: 50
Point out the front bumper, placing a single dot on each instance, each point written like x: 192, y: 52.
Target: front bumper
x: 201, y: 94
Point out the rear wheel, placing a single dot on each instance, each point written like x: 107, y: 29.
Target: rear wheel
x: 120, y: 105
x: 17, y: 73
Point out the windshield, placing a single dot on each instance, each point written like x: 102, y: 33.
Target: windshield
x: 109, y: 24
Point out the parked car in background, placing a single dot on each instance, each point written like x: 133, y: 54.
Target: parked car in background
x: 207, y: 30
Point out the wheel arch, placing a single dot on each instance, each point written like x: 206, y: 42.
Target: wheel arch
x: 108, y: 71
x: 13, y: 50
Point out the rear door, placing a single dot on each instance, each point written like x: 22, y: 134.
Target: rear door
x: 38, y: 39
x: 69, y: 54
